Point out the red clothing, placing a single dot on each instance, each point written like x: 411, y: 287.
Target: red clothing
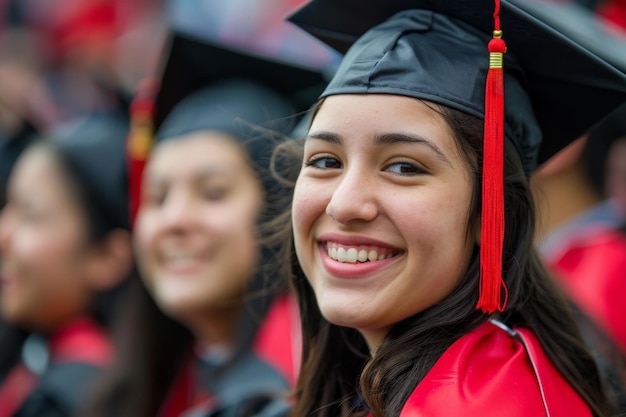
x: 614, y: 11
x: 592, y: 272
x: 492, y: 373
x: 279, y: 339
x: 81, y: 342
x: 278, y: 344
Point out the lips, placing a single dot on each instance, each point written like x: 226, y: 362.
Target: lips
x: 355, y: 257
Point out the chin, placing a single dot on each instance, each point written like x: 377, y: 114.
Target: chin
x: 343, y: 315
x: 175, y: 303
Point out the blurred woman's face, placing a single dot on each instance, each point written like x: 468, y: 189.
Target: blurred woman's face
x: 195, y: 233
x: 380, y: 211
x: 42, y: 245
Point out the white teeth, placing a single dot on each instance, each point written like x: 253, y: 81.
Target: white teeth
x: 341, y: 254
x: 180, y: 257
x: 355, y: 254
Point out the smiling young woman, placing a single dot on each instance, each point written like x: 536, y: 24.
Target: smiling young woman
x: 371, y: 162
x: 412, y: 222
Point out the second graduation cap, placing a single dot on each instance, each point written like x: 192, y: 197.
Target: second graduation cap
x: 490, y: 59
x: 195, y: 63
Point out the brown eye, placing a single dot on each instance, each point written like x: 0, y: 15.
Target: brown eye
x: 214, y: 193
x: 404, y: 168
x: 153, y: 197
x: 324, y: 162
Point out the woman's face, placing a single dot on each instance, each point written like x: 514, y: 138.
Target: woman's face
x: 380, y: 211
x: 196, y: 228
x: 42, y: 245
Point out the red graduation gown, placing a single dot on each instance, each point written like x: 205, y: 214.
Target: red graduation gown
x: 77, y: 354
x: 279, y: 339
x: 494, y: 372
x: 592, y: 272
x: 277, y: 344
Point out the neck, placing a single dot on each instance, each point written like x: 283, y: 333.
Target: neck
x: 216, y: 327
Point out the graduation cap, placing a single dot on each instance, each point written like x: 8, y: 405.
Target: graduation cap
x: 490, y: 59
x: 94, y: 154
x: 195, y: 63
x: 209, y: 86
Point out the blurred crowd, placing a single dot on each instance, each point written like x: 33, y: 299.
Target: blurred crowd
x: 75, y: 77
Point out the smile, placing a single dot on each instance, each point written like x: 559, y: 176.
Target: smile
x: 360, y: 253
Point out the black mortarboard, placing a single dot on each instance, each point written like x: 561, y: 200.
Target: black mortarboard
x: 570, y: 88
x: 94, y: 155
x: 546, y: 91
x: 194, y: 64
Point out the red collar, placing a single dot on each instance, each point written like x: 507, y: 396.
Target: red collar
x: 82, y: 340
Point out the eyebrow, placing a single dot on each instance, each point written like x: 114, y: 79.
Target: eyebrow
x: 327, y: 137
x: 385, y: 139
x: 197, y: 176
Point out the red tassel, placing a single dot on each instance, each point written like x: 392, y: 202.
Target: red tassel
x: 492, y: 232
x: 140, y: 140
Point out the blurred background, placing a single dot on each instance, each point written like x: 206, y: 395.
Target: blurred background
x: 64, y: 63
x: 69, y: 66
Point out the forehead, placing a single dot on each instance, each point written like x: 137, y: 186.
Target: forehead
x: 185, y: 155
x: 210, y: 148
x: 377, y: 110
x: 39, y: 172
x: 366, y: 116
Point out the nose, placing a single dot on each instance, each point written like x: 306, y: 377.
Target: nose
x: 354, y: 198
x: 178, y: 211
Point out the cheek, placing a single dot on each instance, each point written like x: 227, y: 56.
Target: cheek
x: 309, y: 204
x: 437, y: 224
x: 43, y: 250
x: 144, y: 235
x: 234, y: 228
x: 234, y: 222
x: 44, y: 275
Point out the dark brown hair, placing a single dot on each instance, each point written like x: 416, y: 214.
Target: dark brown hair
x: 337, y: 366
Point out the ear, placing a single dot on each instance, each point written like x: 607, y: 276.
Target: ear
x: 111, y: 260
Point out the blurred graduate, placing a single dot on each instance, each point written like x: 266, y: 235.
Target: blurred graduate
x: 210, y: 329
x: 66, y: 254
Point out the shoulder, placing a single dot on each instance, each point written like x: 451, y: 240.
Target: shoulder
x: 278, y: 340
x: 61, y: 391
x: 592, y: 274
x: 494, y: 371
x: 76, y: 356
x: 251, y: 388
